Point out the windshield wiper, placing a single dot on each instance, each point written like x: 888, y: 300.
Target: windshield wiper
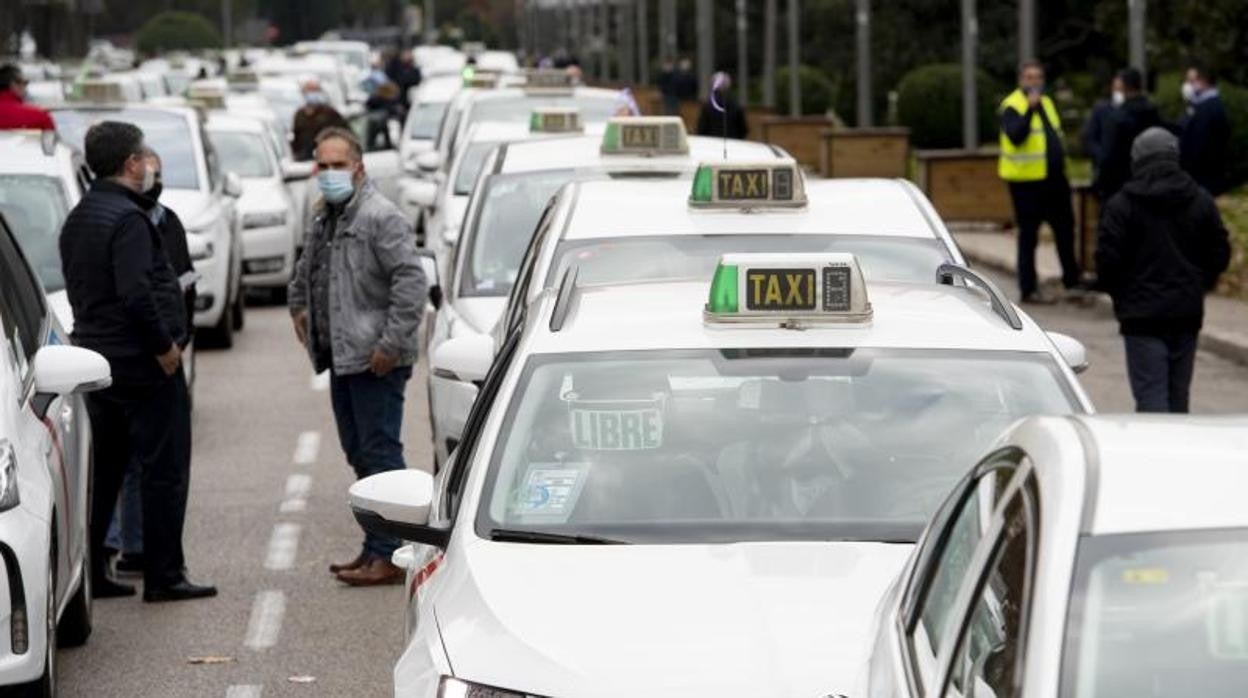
x: 523, y: 536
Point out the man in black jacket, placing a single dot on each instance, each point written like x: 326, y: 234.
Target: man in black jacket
x: 1161, y: 247
x: 129, y: 307
x: 1136, y: 114
x: 1206, y: 129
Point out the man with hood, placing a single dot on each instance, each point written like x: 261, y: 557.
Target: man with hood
x: 1161, y: 247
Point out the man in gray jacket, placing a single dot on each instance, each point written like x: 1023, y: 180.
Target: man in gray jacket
x: 356, y: 300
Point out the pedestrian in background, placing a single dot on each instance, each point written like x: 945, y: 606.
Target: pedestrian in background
x: 129, y: 307
x: 1206, y: 131
x: 721, y: 114
x: 1096, y: 125
x: 1160, y: 248
x: 314, y: 116
x: 1033, y: 165
x: 666, y: 83
x: 356, y: 301
x: 685, y: 82
x: 15, y: 113
x: 404, y: 72
x: 1135, y: 115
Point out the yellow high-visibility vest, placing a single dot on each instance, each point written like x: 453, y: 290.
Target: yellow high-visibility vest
x: 1027, y: 162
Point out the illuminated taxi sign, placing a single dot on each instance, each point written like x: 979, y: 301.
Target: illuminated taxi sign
x: 210, y: 95
x: 788, y: 289
x: 101, y: 91
x: 556, y: 120
x: 748, y: 185
x: 549, y: 79
x: 480, y: 78
x: 645, y: 135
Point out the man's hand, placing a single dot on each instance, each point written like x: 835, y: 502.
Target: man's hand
x: 170, y: 360
x: 300, y: 318
x: 382, y: 363
x: 1034, y: 97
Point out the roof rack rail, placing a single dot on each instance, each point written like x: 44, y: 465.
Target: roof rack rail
x: 563, y: 301
x: 948, y: 272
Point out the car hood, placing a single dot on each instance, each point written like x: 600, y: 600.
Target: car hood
x: 263, y: 194
x: 191, y: 205
x: 481, y: 313
x: 747, y: 619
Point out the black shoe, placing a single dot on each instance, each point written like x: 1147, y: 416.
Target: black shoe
x: 129, y: 563
x: 179, y: 591
x: 105, y: 588
x: 1038, y: 298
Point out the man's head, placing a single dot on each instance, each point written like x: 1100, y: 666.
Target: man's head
x: 1197, y: 80
x: 11, y: 80
x: 1031, y: 76
x: 152, y: 161
x: 1131, y: 80
x: 407, y: 57
x: 312, y: 92
x: 1155, y: 142
x: 339, y: 164
x: 115, y: 151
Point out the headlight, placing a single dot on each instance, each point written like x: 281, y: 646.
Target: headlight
x: 8, y: 476
x: 454, y: 688
x: 264, y: 219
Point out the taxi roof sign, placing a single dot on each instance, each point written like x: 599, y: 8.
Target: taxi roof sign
x: 210, y: 94
x: 101, y: 91
x: 556, y: 120
x: 549, y: 79
x: 645, y: 135
x: 748, y: 185
x: 788, y: 290
x: 480, y: 78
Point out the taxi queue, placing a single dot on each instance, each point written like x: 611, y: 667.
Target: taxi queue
x: 704, y: 425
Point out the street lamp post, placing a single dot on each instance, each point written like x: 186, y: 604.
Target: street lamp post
x: 863, y: 21
x: 1137, y: 11
x: 227, y: 22
x: 1026, y: 31
x: 769, y: 54
x: 743, y: 56
x: 643, y: 43
x: 706, y: 44
x: 970, y: 37
x: 795, y: 82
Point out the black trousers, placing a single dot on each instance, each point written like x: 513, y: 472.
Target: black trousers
x: 1160, y: 369
x: 1046, y: 201
x: 144, y: 415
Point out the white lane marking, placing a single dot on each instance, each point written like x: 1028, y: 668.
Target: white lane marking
x: 250, y: 691
x: 294, y: 506
x: 266, y: 620
x: 283, y: 546
x: 296, y: 498
x: 307, y: 447
x: 320, y: 381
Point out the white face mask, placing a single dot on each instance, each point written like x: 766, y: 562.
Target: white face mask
x: 1118, y: 98
x: 1188, y: 90
x: 149, y: 178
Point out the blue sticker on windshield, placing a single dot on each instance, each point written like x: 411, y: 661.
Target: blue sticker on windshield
x: 549, y: 492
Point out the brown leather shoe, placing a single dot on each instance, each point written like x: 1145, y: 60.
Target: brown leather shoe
x: 355, y: 564
x: 377, y: 571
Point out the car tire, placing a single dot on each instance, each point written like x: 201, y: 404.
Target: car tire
x: 75, y: 626
x: 221, y: 335
x: 240, y: 310
x: 45, y: 685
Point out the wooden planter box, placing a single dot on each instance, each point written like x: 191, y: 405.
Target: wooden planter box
x: 798, y: 135
x: 865, y: 152
x: 1087, y: 218
x: 963, y: 185
x: 689, y: 112
x: 754, y: 118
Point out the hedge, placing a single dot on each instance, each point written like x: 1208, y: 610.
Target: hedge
x: 176, y: 31
x: 819, y: 92
x: 1236, y: 100
x: 929, y: 102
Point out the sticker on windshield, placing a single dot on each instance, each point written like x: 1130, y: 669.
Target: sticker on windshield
x: 1226, y: 619
x: 549, y: 492
x: 634, y: 429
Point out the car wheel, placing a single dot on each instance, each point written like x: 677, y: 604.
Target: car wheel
x: 221, y: 335
x: 45, y: 686
x: 75, y: 625
x: 240, y: 310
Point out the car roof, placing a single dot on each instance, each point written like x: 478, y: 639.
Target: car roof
x: 608, y: 208
x: 23, y: 154
x: 584, y: 151
x: 668, y: 315
x: 520, y: 92
x: 1166, y: 473
x: 183, y: 110
x: 439, y: 88
x: 221, y: 121
x: 494, y: 131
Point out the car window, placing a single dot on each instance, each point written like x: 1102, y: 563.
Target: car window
x: 35, y: 207
x: 989, y: 652
x: 517, y: 301
x: 21, y: 301
x: 245, y: 154
x: 424, y: 119
x: 167, y: 133
x: 470, y: 166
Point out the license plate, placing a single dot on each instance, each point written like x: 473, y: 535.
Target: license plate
x: 635, y: 136
x: 745, y: 184
x: 780, y: 289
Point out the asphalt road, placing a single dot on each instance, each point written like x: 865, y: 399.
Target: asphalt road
x: 268, y: 514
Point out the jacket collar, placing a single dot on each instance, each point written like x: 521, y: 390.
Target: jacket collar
x: 108, y: 186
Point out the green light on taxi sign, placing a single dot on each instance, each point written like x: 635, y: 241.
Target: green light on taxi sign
x: 535, y: 122
x: 723, y: 290
x: 611, y: 138
x: 703, y: 184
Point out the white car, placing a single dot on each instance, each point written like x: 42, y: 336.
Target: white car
x: 45, y: 472
x: 1093, y: 556
x: 429, y: 100
x: 270, y: 218
x: 700, y: 487
x: 355, y: 57
x: 198, y: 190
x: 328, y: 71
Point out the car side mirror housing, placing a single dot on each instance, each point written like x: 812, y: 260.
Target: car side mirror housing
x: 1073, y: 352
x: 420, y: 193
x: 465, y: 358
x: 429, y: 265
x: 430, y: 161
x: 233, y: 185
x: 397, y: 503
x: 63, y: 370
x: 297, y: 171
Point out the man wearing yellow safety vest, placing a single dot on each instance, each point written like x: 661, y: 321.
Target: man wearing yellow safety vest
x: 1033, y: 164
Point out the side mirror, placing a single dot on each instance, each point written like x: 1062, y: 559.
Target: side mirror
x: 430, y: 161
x: 420, y: 193
x: 293, y: 171
x: 61, y: 370
x: 429, y: 264
x: 233, y: 185
x: 465, y: 358
x: 1072, y: 350
x: 450, y: 235
x: 397, y: 503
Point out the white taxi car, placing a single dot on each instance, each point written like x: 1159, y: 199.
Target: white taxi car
x: 45, y: 472
x: 269, y: 214
x: 197, y: 189
x: 1091, y: 556
x: 420, y: 130
x: 661, y: 480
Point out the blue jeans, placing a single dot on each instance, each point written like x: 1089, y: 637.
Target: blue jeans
x: 1160, y: 369
x: 369, y: 413
x: 125, y: 533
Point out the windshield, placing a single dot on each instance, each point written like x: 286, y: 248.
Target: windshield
x: 612, y: 260
x: 424, y: 120
x: 519, y: 109
x: 35, y: 208
x: 1159, y: 614
x: 510, y: 209
x: 166, y: 133
x: 244, y: 154
x: 728, y: 445
x: 470, y: 166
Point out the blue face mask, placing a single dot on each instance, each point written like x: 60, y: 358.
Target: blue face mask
x: 336, y: 185
x: 316, y: 98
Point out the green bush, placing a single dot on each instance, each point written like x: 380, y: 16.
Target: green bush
x: 176, y: 31
x: 929, y: 102
x: 819, y: 92
x: 1170, y: 102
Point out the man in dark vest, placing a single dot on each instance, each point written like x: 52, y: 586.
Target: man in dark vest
x: 129, y: 307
